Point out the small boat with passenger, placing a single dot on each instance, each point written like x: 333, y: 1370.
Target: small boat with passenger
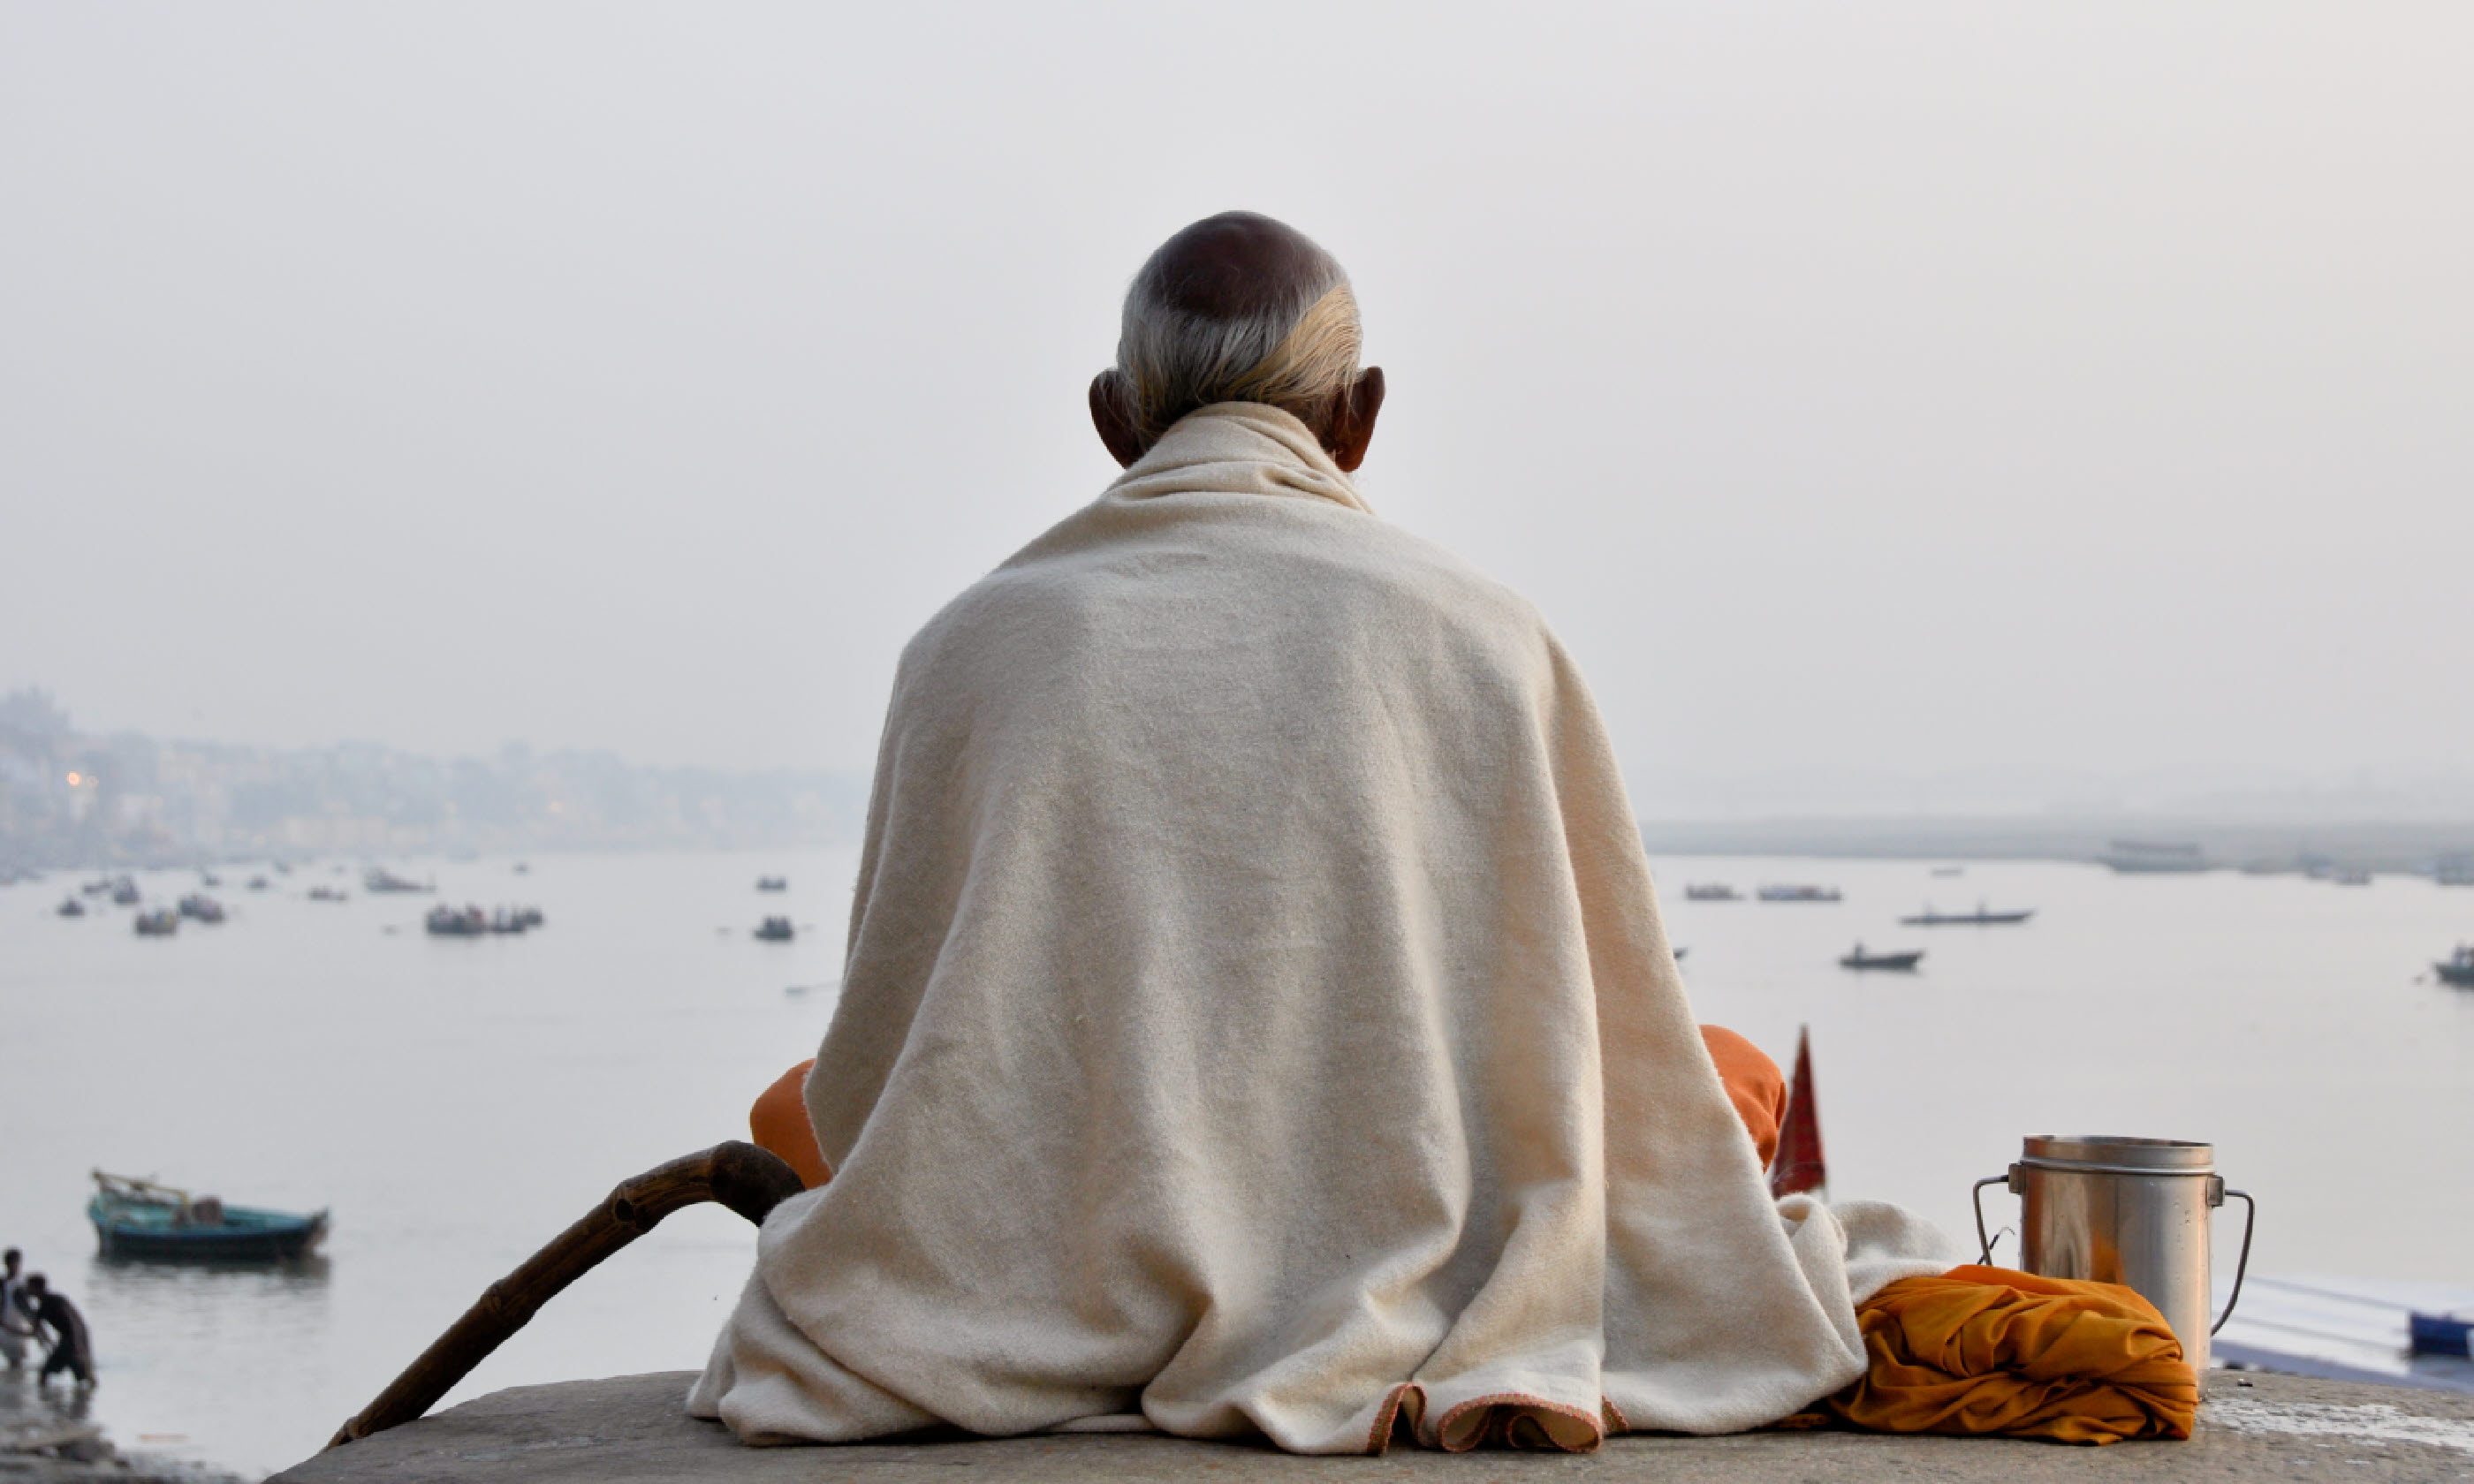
x: 1899, y: 962
x: 140, y: 1218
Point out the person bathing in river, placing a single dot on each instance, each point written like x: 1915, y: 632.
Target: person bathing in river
x: 1257, y: 1017
x: 72, y: 1350
x: 16, y: 1318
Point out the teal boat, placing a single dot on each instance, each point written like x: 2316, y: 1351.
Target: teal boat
x: 138, y: 1218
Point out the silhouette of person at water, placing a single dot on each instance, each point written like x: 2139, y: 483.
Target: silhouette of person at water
x: 72, y: 1350
x: 16, y: 1314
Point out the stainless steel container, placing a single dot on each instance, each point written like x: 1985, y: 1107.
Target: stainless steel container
x: 2132, y: 1211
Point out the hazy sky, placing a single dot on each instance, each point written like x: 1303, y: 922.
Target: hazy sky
x: 1926, y: 390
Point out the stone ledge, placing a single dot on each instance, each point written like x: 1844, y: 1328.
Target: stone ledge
x: 633, y: 1427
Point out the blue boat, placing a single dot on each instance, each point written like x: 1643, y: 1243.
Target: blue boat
x: 138, y: 1218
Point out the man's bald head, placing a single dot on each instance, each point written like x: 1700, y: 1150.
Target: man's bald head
x: 1237, y: 308
x: 1240, y: 265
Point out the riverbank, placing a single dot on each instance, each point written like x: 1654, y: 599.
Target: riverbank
x: 2265, y: 847
x: 635, y: 1428
x: 47, y: 1438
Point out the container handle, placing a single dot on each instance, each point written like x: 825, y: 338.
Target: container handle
x: 2250, y: 1219
x: 1984, y: 1244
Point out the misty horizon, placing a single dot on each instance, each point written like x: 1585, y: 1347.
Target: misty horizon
x: 2189, y: 795
x: 2036, y: 402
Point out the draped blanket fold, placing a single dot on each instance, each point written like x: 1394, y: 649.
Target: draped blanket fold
x: 1257, y: 1019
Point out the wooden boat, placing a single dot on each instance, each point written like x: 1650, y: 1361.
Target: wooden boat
x: 199, y: 907
x: 2457, y: 969
x: 444, y: 921
x: 138, y: 1218
x: 161, y: 922
x: 772, y: 884
x: 1711, y: 892
x: 1979, y: 917
x: 71, y: 907
x: 1799, y: 894
x: 777, y: 930
x: 1857, y: 958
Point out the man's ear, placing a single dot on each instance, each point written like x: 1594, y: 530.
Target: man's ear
x: 1112, y: 413
x: 1352, y: 419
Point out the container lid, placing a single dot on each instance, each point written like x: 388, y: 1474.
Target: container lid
x: 2120, y: 1155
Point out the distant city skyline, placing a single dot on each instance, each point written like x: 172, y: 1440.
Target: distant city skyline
x: 214, y: 797
x: 72, y: 798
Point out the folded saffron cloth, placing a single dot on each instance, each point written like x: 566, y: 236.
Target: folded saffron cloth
x: 1987, y: 1352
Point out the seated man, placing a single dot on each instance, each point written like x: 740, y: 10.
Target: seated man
x: 1257, y: 1016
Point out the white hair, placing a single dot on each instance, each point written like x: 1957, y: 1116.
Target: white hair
x: 1297, y: 350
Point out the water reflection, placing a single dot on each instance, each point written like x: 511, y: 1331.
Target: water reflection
x: 23, y: 1401
x: 129, y: 1298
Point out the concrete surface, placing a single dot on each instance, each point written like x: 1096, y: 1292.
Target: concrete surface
x: 632, y: 1427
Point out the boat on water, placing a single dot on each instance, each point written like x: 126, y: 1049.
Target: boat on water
x: 772, y: 883
x: 1857, y: 958
x: 777, y: 930
x: 199, y: 907
x: 1711, y: 891
x: 124, y: 892
x: 138, y: 1218
x: 257, y: 883
x: 161, y: 922
x: 471, y: 922
x: 2350, y: 877
x: 446, y: 921
x: 378, y: 878
x: 1799, y: 894
x: 2457, y: 969
x: 71, y: 907
x: 1949, y: 871
x: 327, y: 894
x: 1981, y: 917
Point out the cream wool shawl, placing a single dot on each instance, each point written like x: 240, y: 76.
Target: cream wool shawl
x: 1257, y: 1016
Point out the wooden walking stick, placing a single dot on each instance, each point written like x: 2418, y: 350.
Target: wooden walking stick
x: 748, y: 1180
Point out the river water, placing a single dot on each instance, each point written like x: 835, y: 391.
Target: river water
x: 458, y: 1102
